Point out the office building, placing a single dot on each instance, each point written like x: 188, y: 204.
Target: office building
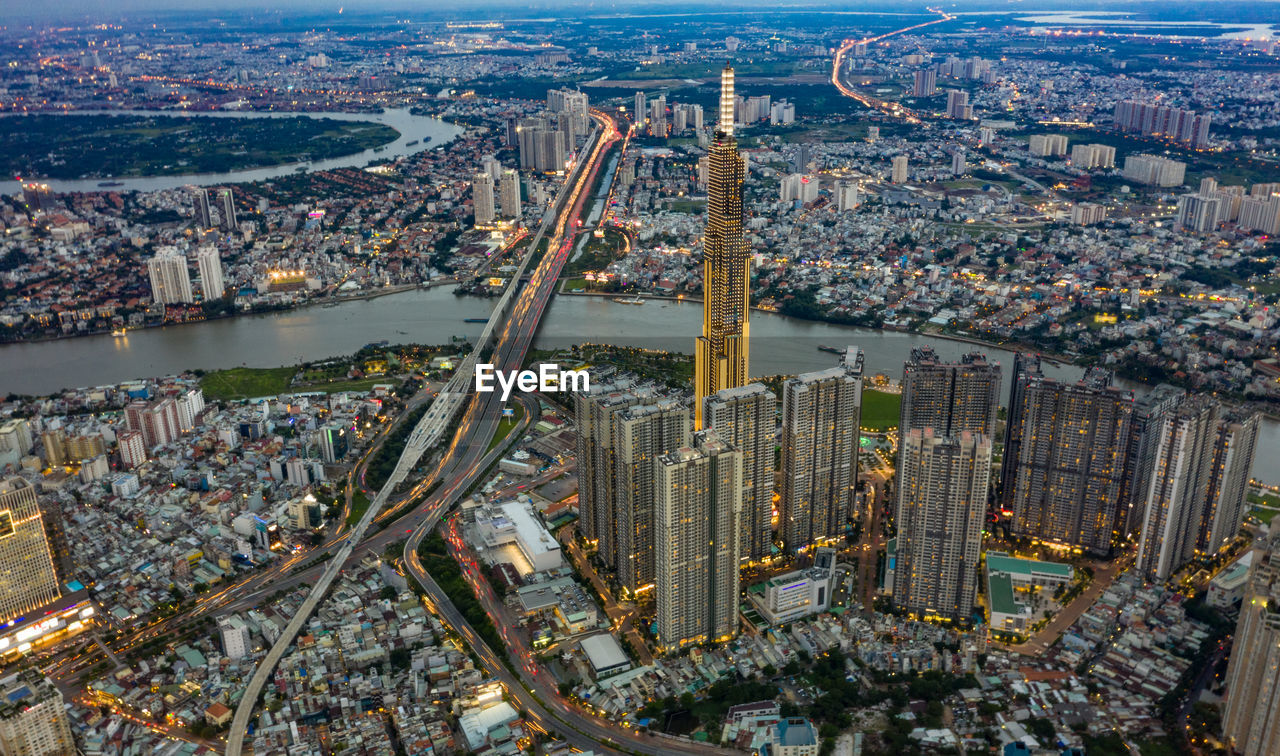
x: 746, y: 418
x: 698, y: 501
x: 1047, y: 145
x: 132, y: 447
x: 1149, y: 412
x: 820, y: 431
x: 1261, y: 214
x: 202, y: 211
x: 28, y: 578
x: 1150, y: 119
x: 1251, y: 713
x: 641, y: 434
x: 1178, y: 491
x: 1233, y: 455
x: 721, y: 356
x: 333, y: 442
x: 157, y: 421
x: 1199, y: 213
x: 847, y: 196
x: 509, y: 193
x: 898, y: 170
x: 1154, y: 170
x: 949, y: 397
x: 1087, y: 156
x: 942, y: 502
x: 1087, y: 213
x: 925, y: 84
x: 1064, y: 456
x: 37, y: 197
x: 958, y: 106
x: 227, y: 210
x: 33, y: 716
x: 209, y: 263
x: 237, y: 641
x: 170, y: 280
x: 795, y: 595
x: 482, y: 198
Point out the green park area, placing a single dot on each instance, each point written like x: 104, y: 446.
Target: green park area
x: 1265, y: 506
x: 103, y: 145
x: 246, y: 383
x: 880, y: 409
x: 506, y: 425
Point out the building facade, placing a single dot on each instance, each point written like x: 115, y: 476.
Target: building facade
x: 28, y: 579
x: 746, y: 417
x: 1251, y: 715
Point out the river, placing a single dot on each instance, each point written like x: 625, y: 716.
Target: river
x: 425, y: 132
x: 779, y: 344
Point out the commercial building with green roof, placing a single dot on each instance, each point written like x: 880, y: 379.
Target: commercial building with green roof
x: 1006, y: 576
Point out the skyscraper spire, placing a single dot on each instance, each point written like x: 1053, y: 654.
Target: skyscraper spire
x: 726, y: 101
x: 721, y: 350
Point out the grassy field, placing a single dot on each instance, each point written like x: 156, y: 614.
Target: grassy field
x: 880, y: 409
x: 359, y: 505
x: 246, y: 383
x: 249, y: 383
x: 1263, y: 514
x: 506, y: 425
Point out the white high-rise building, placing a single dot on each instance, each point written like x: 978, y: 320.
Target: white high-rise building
x: 1047, y: 145
x: 482, y: 198
x: 237, y: 642
x: 847, y: 197
x: 209, y: 263
x: 170, y: 279
x: 820, y: 431
x: 698, y: 495
x: 958, y: 167
x: 33, y: 717
x: 509, y: 193
x: 1233, y: 456
x: 1154, y: 170
x: 898, y: 173
x: 746, y: 418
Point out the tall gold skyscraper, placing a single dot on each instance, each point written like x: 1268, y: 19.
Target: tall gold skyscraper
x: 721, y: 353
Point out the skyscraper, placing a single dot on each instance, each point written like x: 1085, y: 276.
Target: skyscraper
x: 482, y: 198
x: 1251, y: 716
x: 640, y: 111
x: 170, y: 279
x: 949, y: 397
x: 942, y: 500
x: 33, y: 716
x: 28, y: 579
x: 1229, y: 479
x: 200, y: 204
x: 1140, y: 458
x: 595, y: 413
x: 698, y: 493
x: 746, y: 418
x: 641, y: 434
x: 209, y: 264
x: 820, y: 420
x: 721, y: 350
x: 227, y: 210
x: 1178, y: 492
x: 509, y: 193
x: 1064, y: 456
x: 898, y: 170
x: 925, y: 84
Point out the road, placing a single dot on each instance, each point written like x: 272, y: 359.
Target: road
x: 1103, y: 576
x: 623, y: 619
x: 897, y: 110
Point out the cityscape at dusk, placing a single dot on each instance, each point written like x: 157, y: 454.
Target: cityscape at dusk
x: 692, y: 379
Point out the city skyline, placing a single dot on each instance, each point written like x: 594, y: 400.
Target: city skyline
x: 924, y: 379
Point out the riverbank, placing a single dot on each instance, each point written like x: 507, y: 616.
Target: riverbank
x: 329, y: 301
